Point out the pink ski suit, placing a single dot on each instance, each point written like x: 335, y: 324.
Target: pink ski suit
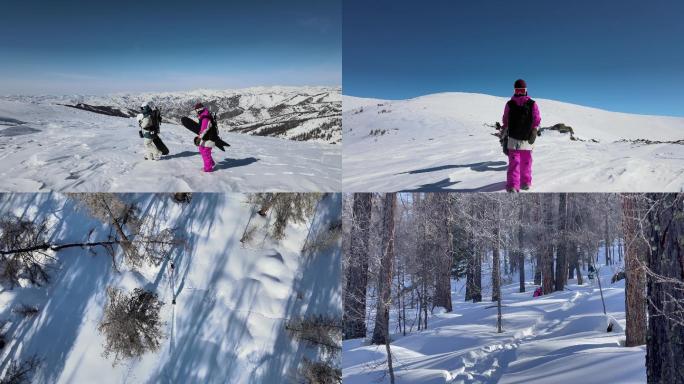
x: 520, y: 151
x: 206, y: 145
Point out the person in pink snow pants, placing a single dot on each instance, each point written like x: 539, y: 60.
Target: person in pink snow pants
x: 520, y: 123
x: 206, y: 139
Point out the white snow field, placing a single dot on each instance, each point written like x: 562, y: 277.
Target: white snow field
x: 228, y: 325
x: 440, y: 142
x: 53, y: 147
x: 559, y: 338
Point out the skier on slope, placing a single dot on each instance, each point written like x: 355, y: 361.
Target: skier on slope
x: 206, y: 139
x: 520, y: 122
x: 149, y: 121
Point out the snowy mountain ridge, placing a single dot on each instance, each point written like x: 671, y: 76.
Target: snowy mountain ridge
x: 296, y: 113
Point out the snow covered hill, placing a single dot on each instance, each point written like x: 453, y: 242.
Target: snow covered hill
x: 232, y: 300
x: 53, y: 147
x: 558, y: 338
x: 444, y: 142
x: 296, y: 113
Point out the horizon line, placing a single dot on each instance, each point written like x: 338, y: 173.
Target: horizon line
x: 539, y: 98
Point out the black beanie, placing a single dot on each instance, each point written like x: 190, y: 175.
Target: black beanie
x: 520, y: 83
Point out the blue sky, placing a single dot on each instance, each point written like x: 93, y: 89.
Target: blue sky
x: 622, y: 55
x: 95, y: 47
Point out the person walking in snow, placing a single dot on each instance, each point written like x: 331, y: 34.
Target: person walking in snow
x: 149, y: 121
x: 206, y: 139
x: 520, y: 122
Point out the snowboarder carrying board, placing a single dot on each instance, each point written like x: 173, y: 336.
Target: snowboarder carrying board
x: 149, y: 121
x: 520, y: 122
x: 207, y: 136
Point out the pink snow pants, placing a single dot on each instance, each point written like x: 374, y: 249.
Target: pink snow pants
x: 519, y: 169
x: 206, y: 158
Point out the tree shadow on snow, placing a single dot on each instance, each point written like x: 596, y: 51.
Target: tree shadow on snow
x: 82, y: 277
x: 316, y: 291
x: 196, y: 354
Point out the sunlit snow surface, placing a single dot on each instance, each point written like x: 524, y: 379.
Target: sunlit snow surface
x: 228, y: 325
x: 440, y: 142
x: 559, y: 338
x: 53, y: 147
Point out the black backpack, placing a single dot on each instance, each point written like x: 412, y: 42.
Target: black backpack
x: 213, y: 131
x: 520, y: 120
x: 157, y: 118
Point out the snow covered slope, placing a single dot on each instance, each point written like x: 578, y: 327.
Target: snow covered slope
x: 559, y: 338
x: 232, y: 301
x: 444, y: 142
x: 53, y: 147
x: 296, y: 113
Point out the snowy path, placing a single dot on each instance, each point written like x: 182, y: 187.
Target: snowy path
x: 440, y: 143
x: 558, y: 338
x: 51, y: 147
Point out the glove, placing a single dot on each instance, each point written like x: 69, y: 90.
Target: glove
x: 197, y: 141
x: 141, y: 134
x: 533, y: 136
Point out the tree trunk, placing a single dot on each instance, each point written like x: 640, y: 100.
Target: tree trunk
x: 477, y: 275
x: 635, y: 279
x: 469, y: 276
x: 357, y: 271
x: 520, y: 252
x: 548, y: 284
x: 537, y: 267
x: 496, y: 263
x: 607, y: 249
x: 381, y: 331
x: 665, y: 341
x: 561, y: 253
x: 445, y: 254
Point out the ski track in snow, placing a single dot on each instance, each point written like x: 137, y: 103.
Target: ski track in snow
x: 558, y: 338
x: 440, y: 143
x: 64, y: 149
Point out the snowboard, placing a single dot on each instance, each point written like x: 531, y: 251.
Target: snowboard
x: 160, y: 145
x: 194, y: 127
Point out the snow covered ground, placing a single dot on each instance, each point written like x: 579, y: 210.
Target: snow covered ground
x: 440, y: 142
x: 558, y: 338
x: 232, y: 300
x: 52, y: 147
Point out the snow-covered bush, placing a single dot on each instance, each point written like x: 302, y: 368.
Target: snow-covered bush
x: 182, y: 197
x: 131, y: 324
x: 26, y: 310
x: 318, y: 372
x: 324, y: 239
x: 20, y: 372
x: 318, y: 331
x: 23, y: 253
x: 289, y: 208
